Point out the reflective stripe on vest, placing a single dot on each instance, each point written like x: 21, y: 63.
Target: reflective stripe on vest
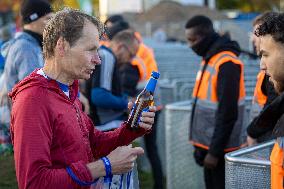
x: 147, y: 62
x: 141, y: 68
x: 203, y: 125
x: 259, y: 99
x: 277, y: 170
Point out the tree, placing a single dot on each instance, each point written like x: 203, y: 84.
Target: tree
x: 249, y: 5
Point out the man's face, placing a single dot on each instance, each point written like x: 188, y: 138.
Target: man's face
x: 109, y: 24
x: 80, y: 60
x: 125, y: 53
x: 41, y: 23
x: 192, y: 37
x: 272, y: 61
x: 255, y: 39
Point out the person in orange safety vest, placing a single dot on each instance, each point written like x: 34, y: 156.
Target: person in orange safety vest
x: 219, y: 93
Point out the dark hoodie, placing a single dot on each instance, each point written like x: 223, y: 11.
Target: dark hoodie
x: 50, y: 131
x: 273, y: 116
x: 227, y: 92
x: 263, y: 134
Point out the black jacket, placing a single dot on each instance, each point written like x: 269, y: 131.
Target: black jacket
x: 129, y: 77
x: 228, y: 94
x: 263, y: 133
x: 273, y: 115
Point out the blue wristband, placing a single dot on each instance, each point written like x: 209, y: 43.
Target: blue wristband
x: 77, y: 180
x: 107, y: 164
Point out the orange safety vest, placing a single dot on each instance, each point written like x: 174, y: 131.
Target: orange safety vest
x: 258, y: 96
x: 145, y: 61
x: 104, y: 43
x: 259, y: 99
x: 277, y: 159
x: 203, y: 124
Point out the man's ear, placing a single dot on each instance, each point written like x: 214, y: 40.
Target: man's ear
x: 62, y: 46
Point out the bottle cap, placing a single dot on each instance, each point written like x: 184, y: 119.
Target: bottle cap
x: 155, y: 75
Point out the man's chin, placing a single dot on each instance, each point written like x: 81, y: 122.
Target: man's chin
x: 279, y: 87
x: 86, y: 77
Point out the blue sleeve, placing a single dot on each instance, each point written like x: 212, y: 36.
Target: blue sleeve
x: 27, y: 59
x: 104, y: 99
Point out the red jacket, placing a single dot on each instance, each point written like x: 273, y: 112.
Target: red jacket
x: 49, y: 132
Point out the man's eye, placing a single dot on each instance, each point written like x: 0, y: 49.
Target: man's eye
x: 261, y: 54
x: 264, y: 55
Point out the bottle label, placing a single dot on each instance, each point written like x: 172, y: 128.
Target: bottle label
x: 136, y: 117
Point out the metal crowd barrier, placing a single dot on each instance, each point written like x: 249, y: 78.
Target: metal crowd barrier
x: 181, y: 169
x: 249, y: 168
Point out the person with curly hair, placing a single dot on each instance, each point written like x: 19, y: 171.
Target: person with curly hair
x: 271, y: 37
x: 264, y: 94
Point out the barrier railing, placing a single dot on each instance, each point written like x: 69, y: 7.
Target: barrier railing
x: 181, y: 169
x: 249, y: 168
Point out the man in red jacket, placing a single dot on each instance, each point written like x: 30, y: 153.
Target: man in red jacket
x: 55, y: 143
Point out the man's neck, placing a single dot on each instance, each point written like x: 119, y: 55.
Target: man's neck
x: 32, y: 28
x: 55, y: 72
x: 36, y: 36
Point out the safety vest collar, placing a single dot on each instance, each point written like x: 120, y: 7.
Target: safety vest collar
x: 213, y: 68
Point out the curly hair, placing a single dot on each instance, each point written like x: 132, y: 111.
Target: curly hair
x: 260, y: 18
x: 273, y: 24
x: 67, y: 23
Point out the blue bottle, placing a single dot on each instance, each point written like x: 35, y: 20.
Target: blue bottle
x: 143, y: 101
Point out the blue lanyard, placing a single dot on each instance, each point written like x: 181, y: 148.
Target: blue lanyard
x: 128, y: 177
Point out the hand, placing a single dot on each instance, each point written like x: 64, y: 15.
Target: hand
x: 131, y: 99
x: 147, y: 118
x: 122, y: 158
x: 130, y: 105
x: 251, y: 141
x: 210, y: 161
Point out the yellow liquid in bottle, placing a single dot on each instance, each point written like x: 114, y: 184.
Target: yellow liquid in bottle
x: 142, y: 102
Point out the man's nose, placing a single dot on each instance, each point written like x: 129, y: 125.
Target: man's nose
x: 262, y: 65
x: 96, y: 59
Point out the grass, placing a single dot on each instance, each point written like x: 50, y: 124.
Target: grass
x: 145, y: 180
x: 7, y: 172
x: 8, y: 175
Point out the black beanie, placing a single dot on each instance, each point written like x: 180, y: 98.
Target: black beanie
x: 31, y: 10
x: 197, y: 21
x: 117, y: 27
x: 115, y: 18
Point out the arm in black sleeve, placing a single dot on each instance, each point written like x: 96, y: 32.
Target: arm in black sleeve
x: 270, y: 91
x: 253, y: 129
x: 227, y: 113
x: 129, y: 77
